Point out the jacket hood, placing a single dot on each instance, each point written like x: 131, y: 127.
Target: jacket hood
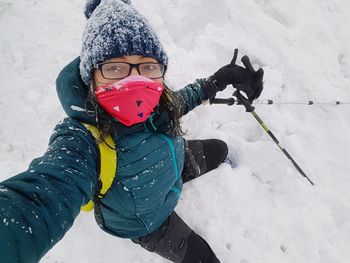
x: 73, y: 93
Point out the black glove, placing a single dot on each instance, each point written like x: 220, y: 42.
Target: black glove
x: 243, y: 79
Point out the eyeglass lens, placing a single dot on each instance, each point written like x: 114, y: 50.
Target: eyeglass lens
x: 120, y: 70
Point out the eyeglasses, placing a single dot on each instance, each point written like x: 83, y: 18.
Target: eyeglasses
x: 120, y: 70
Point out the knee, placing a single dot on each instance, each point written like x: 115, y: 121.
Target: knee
x: 215, y: 151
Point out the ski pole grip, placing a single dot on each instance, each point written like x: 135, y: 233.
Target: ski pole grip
x: 230, y: 101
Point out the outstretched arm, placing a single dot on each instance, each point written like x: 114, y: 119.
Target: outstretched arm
x: 38, y: 206
x: 192, y: 95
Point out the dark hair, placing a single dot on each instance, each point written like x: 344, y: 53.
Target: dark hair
x: 169, y: 101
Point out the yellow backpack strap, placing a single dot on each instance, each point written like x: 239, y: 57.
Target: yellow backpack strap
x: 108, y: 164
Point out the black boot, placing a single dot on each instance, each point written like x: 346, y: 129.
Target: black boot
x: 202, y: 156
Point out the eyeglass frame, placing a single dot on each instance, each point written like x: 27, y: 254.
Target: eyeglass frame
x: 137, y: 66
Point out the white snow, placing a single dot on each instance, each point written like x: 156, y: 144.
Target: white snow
x: 3, y: 190
x: 255, y: 207
x: 76, y: 108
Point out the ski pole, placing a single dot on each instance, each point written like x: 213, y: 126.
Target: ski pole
x: 241, y: 100
x: 249, y: 108
x: 309, y: 102
x: 232, y: 101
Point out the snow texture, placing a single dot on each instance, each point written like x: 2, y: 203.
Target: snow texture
x: 255, y: 208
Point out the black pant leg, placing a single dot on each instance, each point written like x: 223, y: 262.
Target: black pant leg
x: 202, y: 156
x: 177, y: 242
x: 194, y: 164
x: 199, y: 251
x: 215, y: 152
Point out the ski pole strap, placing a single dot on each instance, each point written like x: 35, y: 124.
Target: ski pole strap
x: 108, y: 164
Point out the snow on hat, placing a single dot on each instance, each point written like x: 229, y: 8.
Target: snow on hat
x: 114, y: 29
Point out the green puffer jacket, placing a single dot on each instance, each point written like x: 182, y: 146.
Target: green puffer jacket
x: 38, y: 206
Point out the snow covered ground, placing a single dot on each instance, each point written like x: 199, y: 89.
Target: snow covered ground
x: 254, y: 208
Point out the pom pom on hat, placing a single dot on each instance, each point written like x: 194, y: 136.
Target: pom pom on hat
x: 115, y: 29
x: 91, y: 5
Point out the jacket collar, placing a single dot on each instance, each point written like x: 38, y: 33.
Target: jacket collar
x: 73, y: 93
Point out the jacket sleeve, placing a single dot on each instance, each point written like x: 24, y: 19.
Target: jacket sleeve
x: 38, y: 206
x: 192, y: 96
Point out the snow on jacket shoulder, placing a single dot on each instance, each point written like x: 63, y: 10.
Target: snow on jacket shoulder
x: 38, y: 206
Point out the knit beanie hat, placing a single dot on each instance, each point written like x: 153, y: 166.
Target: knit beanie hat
x: 114, y: 29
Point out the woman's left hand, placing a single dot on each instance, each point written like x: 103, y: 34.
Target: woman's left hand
x: 244, y: 79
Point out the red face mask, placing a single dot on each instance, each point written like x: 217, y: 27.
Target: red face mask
x: 131, y: 100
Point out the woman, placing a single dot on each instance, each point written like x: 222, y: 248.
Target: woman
x: 117, y: 85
